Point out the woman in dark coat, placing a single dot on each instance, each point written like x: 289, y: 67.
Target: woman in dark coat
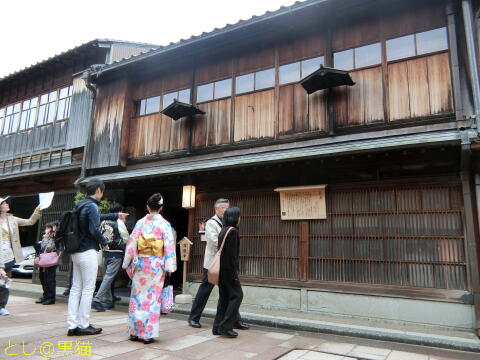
x: 229, y: 287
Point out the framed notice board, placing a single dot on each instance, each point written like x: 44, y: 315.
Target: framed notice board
x: 302, y: 202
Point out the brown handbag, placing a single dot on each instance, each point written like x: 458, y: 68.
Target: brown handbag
x: 214, y: 267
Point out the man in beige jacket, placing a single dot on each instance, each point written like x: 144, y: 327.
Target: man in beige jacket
x: 10, y: 247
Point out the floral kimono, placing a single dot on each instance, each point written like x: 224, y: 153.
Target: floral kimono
x: 150, y: 252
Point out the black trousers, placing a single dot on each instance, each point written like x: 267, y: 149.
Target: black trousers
x: 201, y: 299
x: 4, y: 292
x: 48, y: 279
x: 231, y: 296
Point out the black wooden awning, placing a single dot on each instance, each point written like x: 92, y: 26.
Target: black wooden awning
x: 325, y: 78
x: 178, y: 109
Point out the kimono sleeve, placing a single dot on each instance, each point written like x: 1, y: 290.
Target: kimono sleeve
x: 169, y: 255
x: 131, y: 247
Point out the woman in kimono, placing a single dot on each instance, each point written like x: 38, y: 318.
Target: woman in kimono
x: 149, y: 256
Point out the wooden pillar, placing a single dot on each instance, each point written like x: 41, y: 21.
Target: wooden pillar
x: 303, y: 249
x: 191, y: 234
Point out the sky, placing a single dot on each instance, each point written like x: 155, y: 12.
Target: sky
x: 38, y: 29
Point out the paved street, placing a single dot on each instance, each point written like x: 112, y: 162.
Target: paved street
x: 35, y: 331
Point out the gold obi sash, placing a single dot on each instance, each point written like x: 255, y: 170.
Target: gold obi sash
x: 148, y: 245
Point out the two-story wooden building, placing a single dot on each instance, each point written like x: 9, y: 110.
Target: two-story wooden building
x: 397, y: 151
x: 45, y: 117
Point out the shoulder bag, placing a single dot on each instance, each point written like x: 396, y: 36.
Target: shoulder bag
x: 214, y: 267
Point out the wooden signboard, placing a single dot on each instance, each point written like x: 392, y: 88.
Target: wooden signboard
x: 302, y: 202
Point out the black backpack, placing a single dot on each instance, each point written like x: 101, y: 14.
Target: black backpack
x: 67, y: 235
x: 109, y: 230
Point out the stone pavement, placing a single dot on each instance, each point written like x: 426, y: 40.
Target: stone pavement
x: 41, y: 331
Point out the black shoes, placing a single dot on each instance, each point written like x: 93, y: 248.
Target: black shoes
x: 240, y: 325
x: 90, y: 330
x: 97, y: 306
x: 147, y: 341
x: 40, y: 300
x: 117, y: 298
x: 215, y: 332
x: 194, y: 324
x: 72, y: 332
x: 228, y: 333
x: 48, y: 302
x: 136, y: 338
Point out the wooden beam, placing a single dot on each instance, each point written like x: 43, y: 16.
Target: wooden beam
x: 303, y: 249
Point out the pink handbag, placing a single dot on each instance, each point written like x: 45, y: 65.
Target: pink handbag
x: 48, y: 259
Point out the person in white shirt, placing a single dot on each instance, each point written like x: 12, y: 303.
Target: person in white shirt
x: 212, y: 229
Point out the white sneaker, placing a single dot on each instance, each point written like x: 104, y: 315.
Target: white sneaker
x: 4, y: 312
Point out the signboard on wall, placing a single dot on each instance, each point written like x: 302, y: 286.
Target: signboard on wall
x: 302, y: 202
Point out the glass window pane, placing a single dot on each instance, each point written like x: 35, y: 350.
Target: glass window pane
x: 343, y: 60
x: 431, y: 41
x: 67, y: 111
x: 51, y: 112
x: 141, y: 107
x: 2, y: 113
x: 368, y: 55
x: 152, y: 105
x: 61, y: 109
x: 15, y: 122
x: 63, y: 92
x: 244, y: 83
x: 52, y: 96
x: 31, y: 119
x: 16, y: 108
x: 168, y: 98
x: 205, y: 92
x: 184, y: 96
x: 6, y: 127
x: 33, y: 102
x: 10, y: 110
x: 289, y: 73
x: 264, y: 79
x: 310, y: 65
x: 400, y: 48
x: 23, y: 120
x: 223, y: 88
x: 26, y: 105
x: 41, y: 114
x: 44, y: 99
x: 70, y: 90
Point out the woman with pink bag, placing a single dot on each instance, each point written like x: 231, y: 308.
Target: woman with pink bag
x: 47, y: 260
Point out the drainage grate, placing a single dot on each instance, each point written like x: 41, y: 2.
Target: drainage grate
x: 299, y: 354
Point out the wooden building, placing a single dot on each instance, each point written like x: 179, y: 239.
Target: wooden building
x: 45, y: 117
x: 397, y: 151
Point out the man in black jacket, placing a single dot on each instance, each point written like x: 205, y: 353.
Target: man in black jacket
x: 85, y: 261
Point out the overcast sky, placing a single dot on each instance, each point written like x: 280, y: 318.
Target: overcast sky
x: 34, y: 30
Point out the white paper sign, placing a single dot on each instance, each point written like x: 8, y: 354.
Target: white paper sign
x: 45, y: 199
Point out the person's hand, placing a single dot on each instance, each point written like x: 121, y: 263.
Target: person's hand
x: 105, y: 248
x: 122, y: 215
x: 2, y: 273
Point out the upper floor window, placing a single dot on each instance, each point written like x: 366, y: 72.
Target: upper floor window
x: 64, y: 102
x: 215, y: 90
x: 181, y: 95
x: 12, y: 117
x: 29, y: 113
x: 417, y: 44
x: 47, y: 109
x: 358, y: 57
x: 2, y: 119
x: 298, y: 70
x: 149, y: 106
x: 259, y: 80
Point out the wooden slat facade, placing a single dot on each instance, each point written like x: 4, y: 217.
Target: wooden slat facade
x: 404, y: 235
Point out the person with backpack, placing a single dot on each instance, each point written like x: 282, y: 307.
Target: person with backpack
x: 81, y: 236
x: 212, y: 230
x: 117, y: 235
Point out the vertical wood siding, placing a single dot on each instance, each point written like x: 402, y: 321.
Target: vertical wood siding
x: 109, y: 116
x: 151, y: 134
x: 80, y: 115
x: 419, y: 87
x: 217, y: 120
x: 362, y: 103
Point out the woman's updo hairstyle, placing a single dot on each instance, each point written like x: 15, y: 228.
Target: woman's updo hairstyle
x: 155, y: 202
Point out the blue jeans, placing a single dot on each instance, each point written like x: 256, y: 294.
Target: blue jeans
x: 111, y: 266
